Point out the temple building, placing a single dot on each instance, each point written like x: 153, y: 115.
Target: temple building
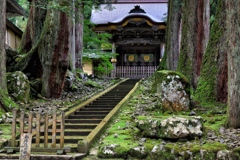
x: 138, y: 35
x: 13, y: 33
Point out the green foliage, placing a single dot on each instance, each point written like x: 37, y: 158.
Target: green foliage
x: 21, y: 21
x: 213, y: 8
x: 177, y: 3
x: 6, y: 101
x: 104, y: 67
x: 91, y: 83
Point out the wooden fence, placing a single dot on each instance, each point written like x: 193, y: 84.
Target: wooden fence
x: 135, y: 72
x: 43, y: 124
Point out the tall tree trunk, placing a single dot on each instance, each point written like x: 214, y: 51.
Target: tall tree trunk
x: 54, y: 52
x: 173, y: 34
x: 233, y: 39
x: 212, y: 85
x: 192, y: 43
x: 79, y: 35
x: 73, y: 39
x: 3, y: 82
x: 36, y: 19
x: 5, y: 101
x: 206, y: 23
x: 50, y: 44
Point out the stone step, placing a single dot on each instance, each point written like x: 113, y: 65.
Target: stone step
x: 100, y: 106
x: 95, y: 109
x: 91, y: 112
x: 85, y: 121
x: 87, y: 116
x: 79, y: 126
x: 67, y: 139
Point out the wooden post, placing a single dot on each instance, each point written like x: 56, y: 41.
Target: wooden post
x: 62, y: 130
x: 54, y: 125
x: 46, y: 131
x: 22, y: 123
x: 13, y: 143
x: 38, y: 130
x: 30, y: 119
x: 25, y: 146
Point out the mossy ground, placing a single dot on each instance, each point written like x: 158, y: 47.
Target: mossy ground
x: 7, y: 132
x: 123, y: 130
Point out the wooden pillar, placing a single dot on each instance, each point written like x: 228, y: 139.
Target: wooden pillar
x: 162, y: 50
x: 54, y: 126
x: 38, y: 118
x: 62, y: 128
x: 22, y: 123
x: 30, y: 120
x: 14, y: 128
x: 113, y: 73
x: 46, y: 131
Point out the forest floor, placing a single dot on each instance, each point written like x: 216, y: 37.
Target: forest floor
x: 123, y: 131
x: 215, y: 136
x: 78, y: 93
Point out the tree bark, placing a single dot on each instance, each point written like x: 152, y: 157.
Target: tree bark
x: 48, y: 45
x: 54, y: 53
x: 37, y: 16
x: 3, y: 82
x: 212, y: 85
x: 206, y: 23
x: 73, y: 39
x: 233, y: 39
x: 79, y: 35
x: 173, y: 34
x: 192, y: 43
x: 6, y: 102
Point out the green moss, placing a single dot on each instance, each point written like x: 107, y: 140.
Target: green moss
x: 92, y: 84
x: 7, y: 132
x: 161, y: 76
x: 185, y: 61
x: 118, y: 127
x: 125, y: 142
x: 214, y: 123
x: 163, y: 63
x: 235, y: 154
x: 214, y: 147
x: 6, y: 101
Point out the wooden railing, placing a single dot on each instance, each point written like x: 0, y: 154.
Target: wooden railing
x: 44, y: 125
x: 134, y: 71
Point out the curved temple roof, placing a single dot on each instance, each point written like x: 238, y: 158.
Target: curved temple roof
x: 14, y: 9
x: 155, y: 11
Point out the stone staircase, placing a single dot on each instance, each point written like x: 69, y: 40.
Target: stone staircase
x: 85, y: 123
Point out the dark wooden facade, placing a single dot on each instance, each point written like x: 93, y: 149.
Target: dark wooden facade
x: 138, y: 36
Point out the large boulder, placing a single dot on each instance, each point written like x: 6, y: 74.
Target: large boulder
x: 18, y: 86
x: 173, y: 90
x: 172, y: 127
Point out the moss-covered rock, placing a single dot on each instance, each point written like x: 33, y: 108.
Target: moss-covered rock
x: 173, y: 89
x: 209, y: 151
x: 18, y: 86
x: 172, y: 127
x: 138, y: 152
x: 112, y: 151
